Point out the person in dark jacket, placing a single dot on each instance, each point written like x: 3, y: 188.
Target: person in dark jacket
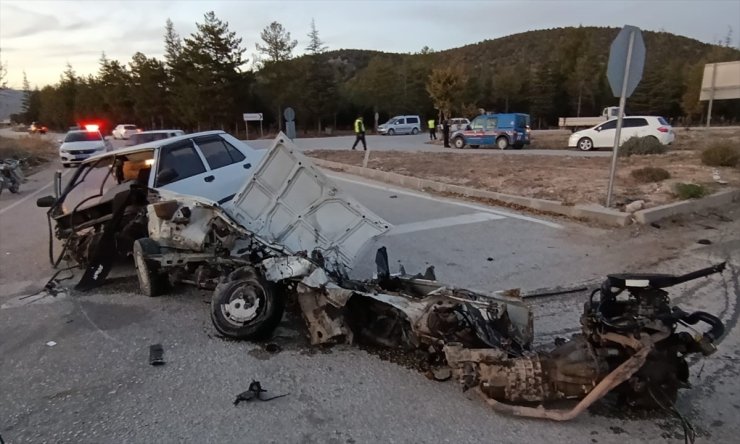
x: 446, y: 132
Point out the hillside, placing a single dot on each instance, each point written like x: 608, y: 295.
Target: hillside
x: 11, y: 102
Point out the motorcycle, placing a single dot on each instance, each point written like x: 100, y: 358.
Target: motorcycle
x: 11, y: 175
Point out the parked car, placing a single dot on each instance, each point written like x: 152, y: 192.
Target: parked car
x: 36, y: 128
x: 456, y: 124
x: 78, y: 145
x: 401, y: 125
x: 151, y: 136
x: 602, y: 136
x: 124, y: 131
x: 500, y: 130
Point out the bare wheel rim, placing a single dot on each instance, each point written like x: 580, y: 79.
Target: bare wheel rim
x: 244, y: 304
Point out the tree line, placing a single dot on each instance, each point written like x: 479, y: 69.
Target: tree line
x: 203, y: 81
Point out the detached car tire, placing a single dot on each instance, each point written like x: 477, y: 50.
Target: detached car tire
x: 151, y: 281
x: 248, y: 307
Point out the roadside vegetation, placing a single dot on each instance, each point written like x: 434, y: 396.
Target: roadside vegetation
x: 690, y: 191
x: 35, y: 150
x: 721, y: 154
x: 205, y: 80
x: 650, y: 174
x: 641, y: 146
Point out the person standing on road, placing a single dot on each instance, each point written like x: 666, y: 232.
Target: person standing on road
x: 432, y: 130
x: 359, y: 132
x: 446, y: 132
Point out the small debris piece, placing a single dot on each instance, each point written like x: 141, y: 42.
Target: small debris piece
x: 156, y: 354
x: 655, y: 225
x: 704, y: 242
x: 490, y: 259
x: 634, y: 206
x: 254, y: 391
x: 393, y: 196
x: 272, y: 347
x: 51, y: 344
x: 442, y: 374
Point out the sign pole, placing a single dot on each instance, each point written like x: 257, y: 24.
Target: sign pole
x: 711, y: 94
x: 618, y: 132
x: 246, y: 129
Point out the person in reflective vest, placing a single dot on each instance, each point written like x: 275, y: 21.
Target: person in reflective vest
x: 432, y: 130
x: 359, y: 133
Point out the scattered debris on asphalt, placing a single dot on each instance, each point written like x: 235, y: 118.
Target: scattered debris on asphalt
x: 255, y: 391
x: 51, y: 344
x: 393, y: 196
x: 156, y: 354
x: 704, y: 242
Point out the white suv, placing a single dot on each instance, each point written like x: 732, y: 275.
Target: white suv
x: 124, y: 131
x: 401, y: 125
x: 602, y: 135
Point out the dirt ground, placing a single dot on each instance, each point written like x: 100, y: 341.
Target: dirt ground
x: 569, y: 179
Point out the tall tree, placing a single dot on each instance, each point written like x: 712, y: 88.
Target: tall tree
x: 320, y: 90
x: 149, y: 92
x: 3, y: 72
x: 444, y: 85
x: 278, y: 45
x: 115, y: 82
x: 26, y: 96
x: 213, y: 57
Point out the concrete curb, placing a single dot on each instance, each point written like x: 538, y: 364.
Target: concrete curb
x: 722, y: 198
x: 592, y: 212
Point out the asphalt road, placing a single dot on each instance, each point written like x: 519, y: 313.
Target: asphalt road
x: 94, y: 384
x: 413, y: 143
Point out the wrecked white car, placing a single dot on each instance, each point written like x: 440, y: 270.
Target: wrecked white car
x: 290, y: 232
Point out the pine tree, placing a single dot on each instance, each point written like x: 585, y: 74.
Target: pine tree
x: 277, y: 45
x: 321, y: 96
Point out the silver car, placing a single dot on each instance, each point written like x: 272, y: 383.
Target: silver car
x: 401, y: 125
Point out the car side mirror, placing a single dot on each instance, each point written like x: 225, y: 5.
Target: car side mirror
x: 166, y: 176
x: 597, y: 129
x: 45, y: 202
x: 60, y: 141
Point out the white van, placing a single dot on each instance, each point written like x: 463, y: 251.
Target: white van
x: 401, y: 125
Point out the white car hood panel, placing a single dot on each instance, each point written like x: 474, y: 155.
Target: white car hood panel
x: 87, y: 145
x: 290, y: 202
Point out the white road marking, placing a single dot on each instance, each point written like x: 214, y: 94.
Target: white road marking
x: 443, y: 222
x: 448, y: 201
x: 25, y: 198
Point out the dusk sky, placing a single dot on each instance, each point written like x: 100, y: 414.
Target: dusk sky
x: 40, y: 37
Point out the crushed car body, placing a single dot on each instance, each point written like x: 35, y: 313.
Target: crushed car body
x: 290, y: 232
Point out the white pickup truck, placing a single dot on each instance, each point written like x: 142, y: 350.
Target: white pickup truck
x: 576, y: 123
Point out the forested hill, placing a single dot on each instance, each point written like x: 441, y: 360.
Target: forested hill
x: 544, y: 73
x: 203, y: 81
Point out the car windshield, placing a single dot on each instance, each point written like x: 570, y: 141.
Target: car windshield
x: 83, y: 136
x: 96, y: 178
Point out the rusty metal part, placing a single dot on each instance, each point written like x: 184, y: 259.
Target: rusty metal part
x: 324, y: 320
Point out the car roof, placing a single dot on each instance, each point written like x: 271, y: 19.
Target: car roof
x: 159, y: 131
x: 151, y: 145
x: 84, y: 131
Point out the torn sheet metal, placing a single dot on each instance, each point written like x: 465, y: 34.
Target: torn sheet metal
x: 290, y: 202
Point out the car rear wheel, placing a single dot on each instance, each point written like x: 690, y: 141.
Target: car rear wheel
x: 458, y: 142
x: 502, y: 143
x: 415, y: 131
x: 247, y: 307
x: 151, y: 281
x: 585, y: 144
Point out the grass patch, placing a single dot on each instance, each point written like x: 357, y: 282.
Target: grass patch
x: 650, y: 174
x: 721, y: 154
x: 690, y: 191
x: 36, y: 150
x: 641, y: 146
